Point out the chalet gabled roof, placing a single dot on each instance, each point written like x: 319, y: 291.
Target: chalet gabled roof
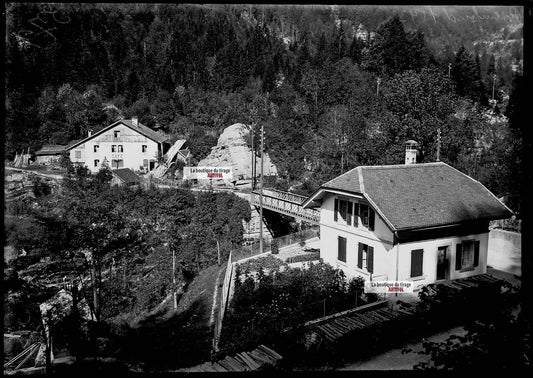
x: 156, y: 136
x: 126, y: 175
x: 418, y: 195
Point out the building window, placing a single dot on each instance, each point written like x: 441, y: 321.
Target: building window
x: 365, y: 257
x: 367, y: 216
x: 144, y: 148
x: 341, y: 251
x: 96, y: 147
x: 117, y: 133
x: 120, y: 148
x: 363, y: 212
x: 117, y: 163
x: 344, y: 209
x: 77, y: 154
x: 417, y: 258
x: 113, y: 148
x: 96, y: 162
x: 467, y: 255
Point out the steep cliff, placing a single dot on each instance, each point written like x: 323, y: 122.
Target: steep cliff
x: 232, y: 151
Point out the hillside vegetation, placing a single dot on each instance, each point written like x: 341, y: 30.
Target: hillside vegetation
x: 309, y: 74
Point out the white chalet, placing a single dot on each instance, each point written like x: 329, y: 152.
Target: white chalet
x: 412, y: 222
x: 123, y: 144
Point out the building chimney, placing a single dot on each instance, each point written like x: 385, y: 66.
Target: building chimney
x: 135, y: 121
x: 89, y: 132
x: 411, y: 150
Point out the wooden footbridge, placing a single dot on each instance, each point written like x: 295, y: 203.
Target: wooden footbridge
x: 285, y: 203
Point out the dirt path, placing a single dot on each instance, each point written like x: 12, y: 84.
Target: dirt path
x: 395, y: 360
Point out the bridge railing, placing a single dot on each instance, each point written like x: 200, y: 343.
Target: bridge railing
x: 285, y: 196
x: 286, y: 203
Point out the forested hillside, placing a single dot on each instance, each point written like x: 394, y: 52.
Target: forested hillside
x: 335, y: 87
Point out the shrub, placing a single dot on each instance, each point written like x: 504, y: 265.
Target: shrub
x: 299, y: 258
x: 266, y: 262
x: 274, y: 246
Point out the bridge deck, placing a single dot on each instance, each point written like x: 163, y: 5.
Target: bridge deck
x: 286, y: 203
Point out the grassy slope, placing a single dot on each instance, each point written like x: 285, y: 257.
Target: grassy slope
x: 172, y: 340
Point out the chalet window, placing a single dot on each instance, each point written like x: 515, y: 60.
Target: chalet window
x: 467, y: 255
x: 120, y: 148
x: 367, y: 216
x: 365, y: 257
x: 96, y: 148
x: 341, y: 251
x: 116, y: 133
x: 77, y: 154
x: 113, y: 148
x: 96, y: 162
x: 417, y: 259
x: 344, y: 209
x: 144, y: 148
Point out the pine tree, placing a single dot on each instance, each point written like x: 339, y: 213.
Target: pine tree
x: 466, y: 75
x: 390, y: 51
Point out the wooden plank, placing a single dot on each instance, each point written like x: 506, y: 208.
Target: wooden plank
x: 381, y: 317
x: 225, y: 364
x: 260, y: 357
x: 243, y: 363
x: 331, y: 330
x: 365, y: 321
x: 372, y: 315
x: 260, y: 360
x: 218, y: 367
x: 338, y: 331
x: 235, y: 365
x: 351, y: 323
x: 328, y: 334
x: 339, y: 324
x: 270, y: 352
x: 356, y: 323
x: 245, y: 360
x: 249, y: 361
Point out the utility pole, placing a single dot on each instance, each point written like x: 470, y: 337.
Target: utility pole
x: 253, y: 160
x: 261, y: 193
x: 438, y: 144
x: 174, y: 298
x: 449, y: 70
x: 218, y: 252
x: 493, y: 85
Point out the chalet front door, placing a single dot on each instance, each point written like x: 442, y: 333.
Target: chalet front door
x: 442, y: 263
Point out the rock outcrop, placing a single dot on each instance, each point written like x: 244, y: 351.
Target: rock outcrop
x: 232, y: 151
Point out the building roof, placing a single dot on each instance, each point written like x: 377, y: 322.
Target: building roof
x: 51, y: 149
x: 126, y: 175
x: 156, y: 136
x: 418, y: 195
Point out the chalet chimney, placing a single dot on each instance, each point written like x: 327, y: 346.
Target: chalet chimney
x: 411, y: 150
x: 135, y: 121
x: 89, y: 132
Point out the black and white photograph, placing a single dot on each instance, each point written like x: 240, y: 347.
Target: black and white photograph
x: 193, y: 188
